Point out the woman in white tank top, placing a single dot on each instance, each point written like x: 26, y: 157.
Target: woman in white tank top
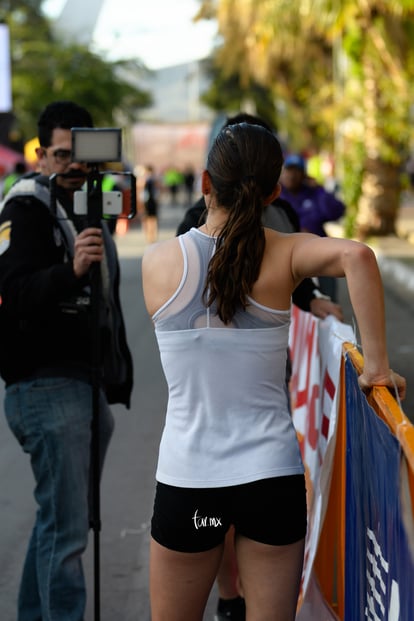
x: 220, y: 300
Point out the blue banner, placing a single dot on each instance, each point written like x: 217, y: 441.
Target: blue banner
x: 379, y: 569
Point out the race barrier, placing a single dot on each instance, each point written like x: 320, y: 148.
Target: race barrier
x: 359, y: 460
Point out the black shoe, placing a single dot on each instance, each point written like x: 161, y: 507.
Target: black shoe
x: 230, y: 610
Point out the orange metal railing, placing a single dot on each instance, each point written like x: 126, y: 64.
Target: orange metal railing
x: 330, y: 559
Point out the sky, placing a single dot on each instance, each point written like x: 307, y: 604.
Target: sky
x: 160, y: 33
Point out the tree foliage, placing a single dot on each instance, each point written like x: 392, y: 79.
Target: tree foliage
x: 226, y: 94
x: 296, y: 73
x: 341, y: 74
x: 45, y: 68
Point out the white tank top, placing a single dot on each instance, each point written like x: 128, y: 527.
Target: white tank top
x: 228, y: 420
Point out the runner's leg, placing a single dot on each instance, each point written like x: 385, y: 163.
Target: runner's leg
x: 180, y: 582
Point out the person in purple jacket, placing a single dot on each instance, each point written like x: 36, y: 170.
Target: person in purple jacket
x: 313, y: 204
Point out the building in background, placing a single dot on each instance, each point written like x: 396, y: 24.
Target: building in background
x: 77, y: 20
x: 176, y: 94
x: 166, y: 145
x: 174, y: 131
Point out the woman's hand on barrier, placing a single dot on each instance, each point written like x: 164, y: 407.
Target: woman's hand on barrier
x: 395, y: 382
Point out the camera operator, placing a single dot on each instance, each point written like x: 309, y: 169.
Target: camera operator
x: 46, y: 360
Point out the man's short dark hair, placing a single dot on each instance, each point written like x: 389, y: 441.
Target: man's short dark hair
x: 61, y: 114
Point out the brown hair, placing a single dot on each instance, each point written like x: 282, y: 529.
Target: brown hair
x: 244, y: 165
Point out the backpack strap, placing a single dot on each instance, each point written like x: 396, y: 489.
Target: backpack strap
x: 38, y: 188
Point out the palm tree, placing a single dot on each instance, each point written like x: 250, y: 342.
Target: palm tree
x: 343, y: 68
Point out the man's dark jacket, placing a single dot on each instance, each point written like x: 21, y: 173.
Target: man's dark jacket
x: 45, y: 317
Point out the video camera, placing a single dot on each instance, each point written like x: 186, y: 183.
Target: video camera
x: 97, y: 146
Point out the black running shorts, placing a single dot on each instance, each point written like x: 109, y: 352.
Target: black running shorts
x: 271, y: 511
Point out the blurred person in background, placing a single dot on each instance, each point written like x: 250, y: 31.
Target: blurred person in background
x: 313, y: 204
x: 151, y: 205
x: 173, y: 180
x: 9, y: 180
x: 189, y: 183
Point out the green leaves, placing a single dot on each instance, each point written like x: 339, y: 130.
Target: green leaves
x: 45, y: 68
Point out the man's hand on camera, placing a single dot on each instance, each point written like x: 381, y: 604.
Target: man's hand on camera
x: 88, y: 250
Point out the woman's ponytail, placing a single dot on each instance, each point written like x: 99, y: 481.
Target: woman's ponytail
x: 244, y: 165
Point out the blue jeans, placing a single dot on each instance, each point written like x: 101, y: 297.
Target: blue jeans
x: 51, y: 419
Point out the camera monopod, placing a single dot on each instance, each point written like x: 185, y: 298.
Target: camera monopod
x: 96, y: 146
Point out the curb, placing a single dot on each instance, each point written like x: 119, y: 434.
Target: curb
x: 397, y: 274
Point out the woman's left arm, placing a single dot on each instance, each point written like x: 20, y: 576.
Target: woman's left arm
x: 314, y: 256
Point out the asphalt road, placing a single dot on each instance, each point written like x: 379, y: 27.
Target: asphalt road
x: 128, y: 480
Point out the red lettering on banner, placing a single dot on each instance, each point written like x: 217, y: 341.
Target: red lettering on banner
x: 302, y: 395
x: 313, y: 430
x: 328, y: 385
x: 329, y: 388
x: 325, y: 426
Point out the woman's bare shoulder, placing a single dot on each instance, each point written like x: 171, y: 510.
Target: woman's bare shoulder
x: 272, y: 234
x: 278, y: 238
x: 161, y: 251
x: 162, y: 268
